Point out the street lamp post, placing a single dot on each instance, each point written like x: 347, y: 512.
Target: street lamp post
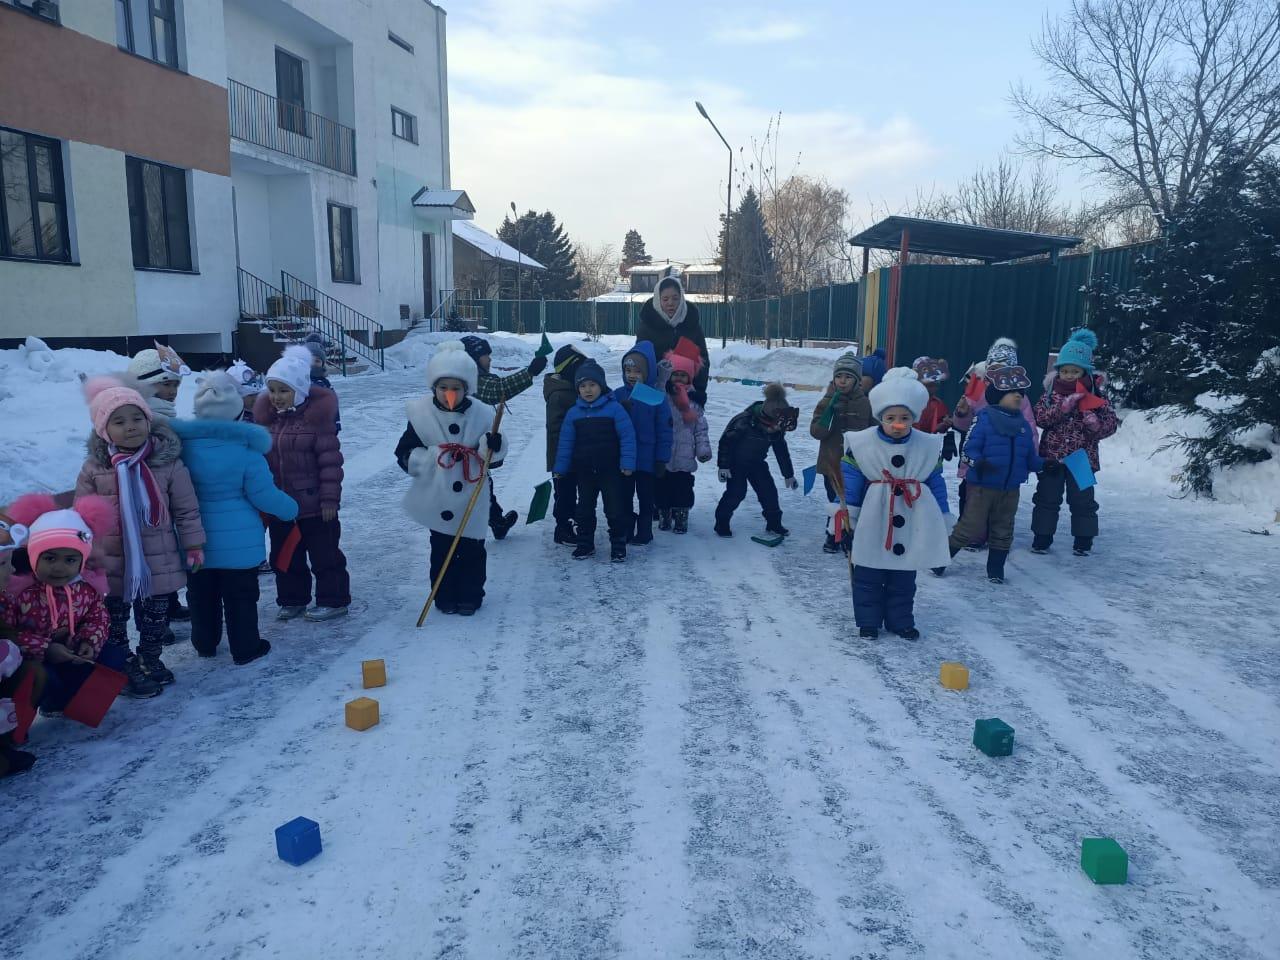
x: 728, y: 212
x: 515, y: 218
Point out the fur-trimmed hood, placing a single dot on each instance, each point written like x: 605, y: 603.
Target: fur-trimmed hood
x: 251, y: 435
x: 166, y: 447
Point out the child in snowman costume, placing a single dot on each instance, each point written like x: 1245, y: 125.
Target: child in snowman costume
x: 444, y: 448
x: 898, y: 528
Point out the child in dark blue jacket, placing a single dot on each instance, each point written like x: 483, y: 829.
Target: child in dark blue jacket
x: 1001, y: 453
x: 598, y: 446
x: 653, y: 436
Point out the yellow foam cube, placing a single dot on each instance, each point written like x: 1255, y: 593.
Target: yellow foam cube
x: 362, y: 713
x: 954, y: 676
x: 374, y: 673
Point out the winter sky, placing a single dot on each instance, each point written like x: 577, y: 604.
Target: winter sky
x: 586, y: 107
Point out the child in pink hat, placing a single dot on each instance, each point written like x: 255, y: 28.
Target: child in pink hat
x: 690, y: 445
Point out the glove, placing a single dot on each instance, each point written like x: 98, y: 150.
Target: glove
x: 10, y: 658
x: 704, y: 458
x: 790, y: 482
x: 8, y: 716
x: 660, y: 470
x: 494, y: 440
x: 195, y: 559
x: 537, y: 365
x: 725, y: 475
x: 1072, y: 401
x: 1091, y: 422
x: 949, y: 446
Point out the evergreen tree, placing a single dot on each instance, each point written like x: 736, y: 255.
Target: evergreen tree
x: 751, y: 268
x: 633, y: 252
x: 1204, y: 318
x: 540, y: 237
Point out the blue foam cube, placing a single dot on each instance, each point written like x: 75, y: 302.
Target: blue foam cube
x: 298, y: 841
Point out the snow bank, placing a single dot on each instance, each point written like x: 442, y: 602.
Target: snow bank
x: 510, y: 351
x: 1135, y: 454
x: 802, y: 365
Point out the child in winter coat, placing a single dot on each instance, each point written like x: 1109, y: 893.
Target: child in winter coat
x: 598, y: 446
x: 653, y: 437
x: 743, y: 446
x: 134, y: 461
x: 1000, y: 454
x: 233, y: 484
x: 1074, y: 417
x: 844, y: 408
x: 560, y: 395
x: 873, y: 369
x: 690, y: 445
x: 156, y: 375
x: 898, y: 527
x: 444, y: 448
x: 60, y: 620
x: 306, y: 463
x: 249, y: 383
x: 1003, y: 353
x: 493, y: 390
x: 13, y: 678
x: 933, y: 373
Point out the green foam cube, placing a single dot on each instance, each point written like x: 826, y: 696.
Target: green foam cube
x: 1104, y: 860
x: 993, y: 737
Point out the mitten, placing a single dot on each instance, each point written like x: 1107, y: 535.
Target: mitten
x: 1072, y: 401
x: 195, y: 559
x: 725, y: 475
x: 537, y: 365
x: 704, y: 457
x: 8, y: 716
x: 10, y: 658
x: 660, y: 470
x: 790, y: 482
x: 949, y: 446
x: 494, y: 440
x: 1091, y: 422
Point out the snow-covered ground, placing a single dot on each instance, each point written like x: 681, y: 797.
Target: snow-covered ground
x: 686, y: 756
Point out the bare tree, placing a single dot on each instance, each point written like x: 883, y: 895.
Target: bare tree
x: 1147, y: 93
x: 598, y: 267
x: 805, y: 217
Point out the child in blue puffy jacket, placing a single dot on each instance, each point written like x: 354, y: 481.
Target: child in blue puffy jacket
x: 228, y: 467
x: 1001, y: 454
x: 598, y: 446
x: 652, y: 423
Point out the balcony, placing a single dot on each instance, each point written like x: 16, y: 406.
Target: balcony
x: 261, y: 119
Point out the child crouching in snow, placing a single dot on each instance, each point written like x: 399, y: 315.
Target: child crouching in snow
x: 134, y: 462
x: 14, y: 670
x: 898, y: 527
x: 690, y: 445
x: 306, y: 463
x: 444, y: 448
x: 1073, y: 417
x: 1000, y: 454
x: 745, y: 443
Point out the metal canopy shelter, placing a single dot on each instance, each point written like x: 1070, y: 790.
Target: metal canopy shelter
x: 942, y: 239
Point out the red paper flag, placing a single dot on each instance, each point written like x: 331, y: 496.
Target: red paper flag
x: 285, y: 557
x: 687, y: 348
x: 25, y: 709
x: 95, y: 696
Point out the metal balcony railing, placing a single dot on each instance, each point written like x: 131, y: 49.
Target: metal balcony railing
x: 260, y: 118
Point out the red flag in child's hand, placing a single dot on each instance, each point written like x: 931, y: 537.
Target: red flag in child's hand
x: 842, y: 524
x: 284, y: 559
x: 95, y: 696
x: 976, y: 389
x: 687, y: 348
x: 1090, y: 401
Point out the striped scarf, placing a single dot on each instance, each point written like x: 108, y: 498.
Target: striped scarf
x: 141, y: 503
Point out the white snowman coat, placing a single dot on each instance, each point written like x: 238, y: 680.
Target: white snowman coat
x: 439, y: 495
x: 920, y: 543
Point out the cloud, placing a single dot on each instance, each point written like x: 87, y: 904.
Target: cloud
x: 551, y: 119
x: 772, y: 31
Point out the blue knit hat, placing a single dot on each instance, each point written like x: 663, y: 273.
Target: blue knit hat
x: 1078, y: 350
x: 874, y: 366
x: 590, y: 370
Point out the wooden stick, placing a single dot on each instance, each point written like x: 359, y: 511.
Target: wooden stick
x: 837, y: 481
x: 475, y: 495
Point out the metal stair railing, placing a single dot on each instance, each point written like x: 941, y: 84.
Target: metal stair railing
x: 336, y: 321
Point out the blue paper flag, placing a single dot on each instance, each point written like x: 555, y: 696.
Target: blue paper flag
x: 810, y: 475
x: 1078, y: 464
x: 645, y: 394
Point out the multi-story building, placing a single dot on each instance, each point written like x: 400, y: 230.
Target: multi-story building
x: 166, y: 161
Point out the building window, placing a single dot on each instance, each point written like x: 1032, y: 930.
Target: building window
x: 404, y: 125
x: 342, y: 244
x: 291, y: 94
x: 158, y: 218
x: 33, y: 214
x: 124, y: 25
x: 164, y: 33
x: 400, y: 42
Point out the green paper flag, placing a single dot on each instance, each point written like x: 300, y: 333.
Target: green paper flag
x: 541, y: 499
x: 828, y: 415
x: 545, y: 349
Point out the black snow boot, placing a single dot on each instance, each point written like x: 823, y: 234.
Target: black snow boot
x: 722, y: 528
x: 869, y: 633
x: 566, y: 534
x: 155, y: 669
x: 776, y: 528
x: 830, y: 545
x: 584, y: 550
x: 664, y: 520
x: 139, y: 685
x: 501, y: 525
x: 938, y: 571
x: 467, y: 609
x: 910, y: 633
x: 681, y: 518
x: 618, y: 552
x: 1082, y: 546
x: 15, y: 761
x: 1040, y: 543
x: 995, y: 564
x: 176, y: 610
x: 263, y: 649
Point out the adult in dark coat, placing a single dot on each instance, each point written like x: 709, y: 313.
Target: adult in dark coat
x: 664, y: 319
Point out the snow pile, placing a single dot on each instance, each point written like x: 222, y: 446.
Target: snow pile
x: 803, y: 365
x: 43, y: 417
x: 1140, y: 451
x: 510, y: 351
